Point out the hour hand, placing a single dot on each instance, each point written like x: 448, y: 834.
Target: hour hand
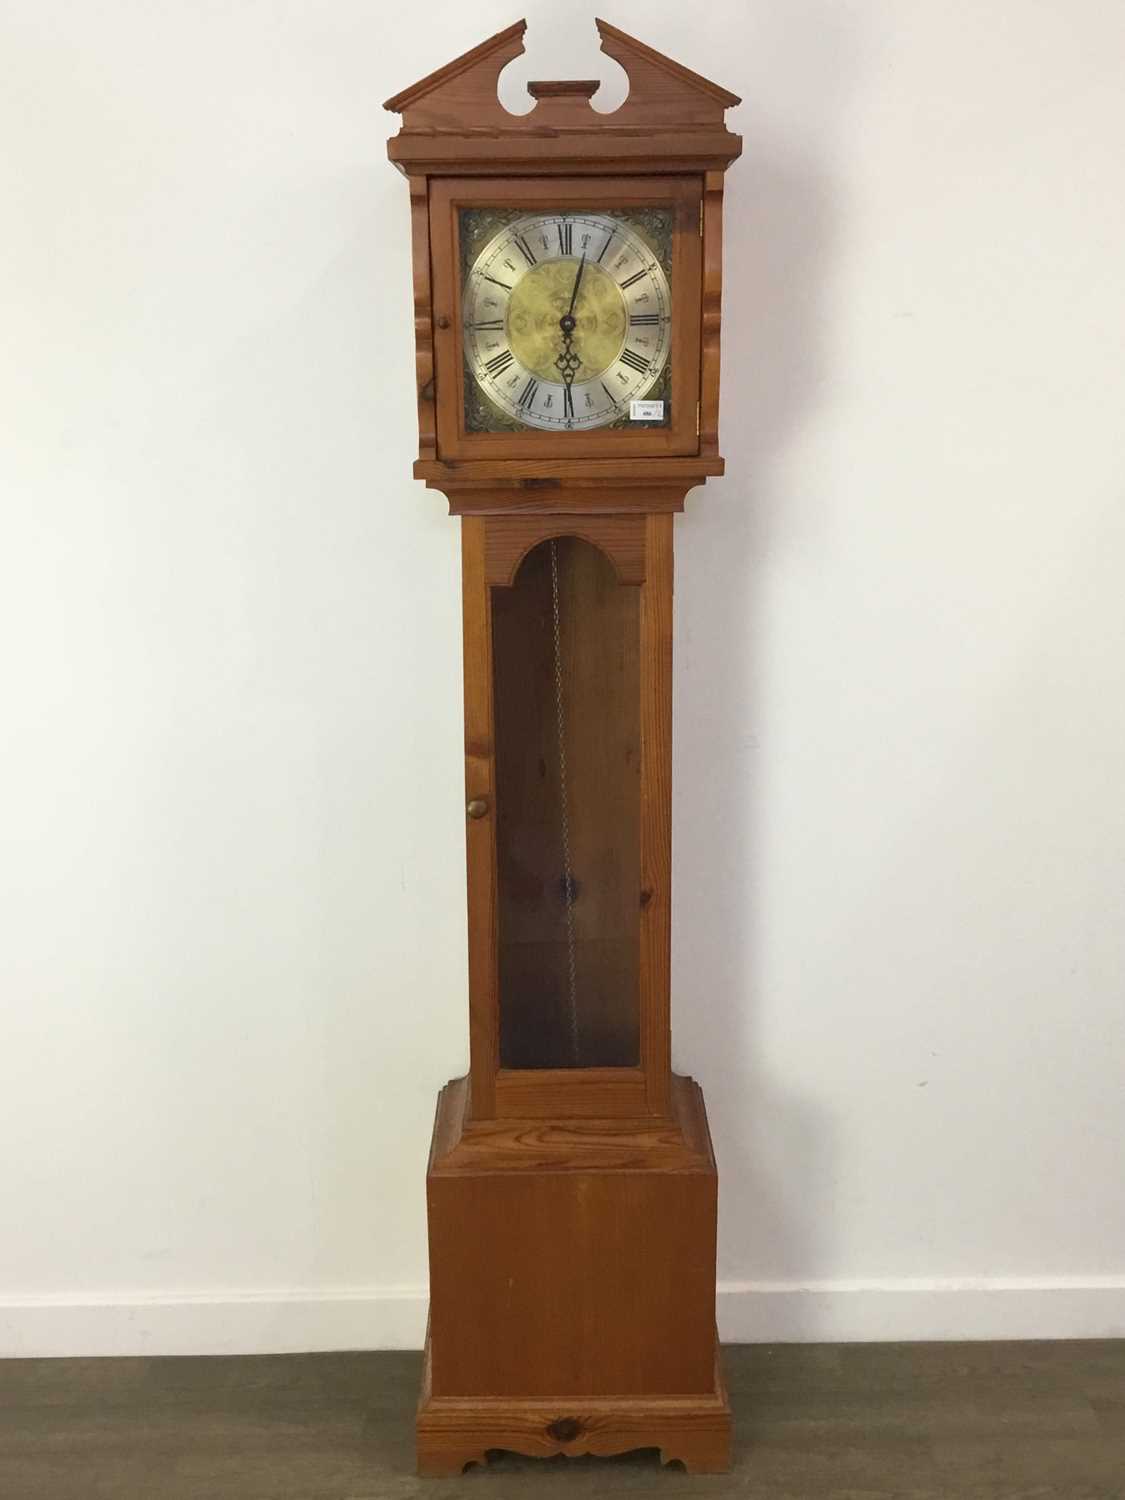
x: 568, y: 363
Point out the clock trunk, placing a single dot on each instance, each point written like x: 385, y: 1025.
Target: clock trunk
x: 566, y: 707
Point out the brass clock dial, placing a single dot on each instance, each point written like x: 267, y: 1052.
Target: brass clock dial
x: 567, y: 320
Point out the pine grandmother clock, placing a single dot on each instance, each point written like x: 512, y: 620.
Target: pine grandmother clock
x: 567, y: 269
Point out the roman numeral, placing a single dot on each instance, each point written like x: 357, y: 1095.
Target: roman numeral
x: 643, y: 320
x: 568, y: 401
x: 525, y: 249
x: 527, y: 395
x: 495, y: 326
x: 636, y: 276
x: 504, y: 284
x: 566, y: 238
x: 499, y: 363
x: 635, y: 362
x: 609, y: 393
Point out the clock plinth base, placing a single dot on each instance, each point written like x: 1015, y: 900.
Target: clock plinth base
x: 572, y: 1288
x: 455, y: 1431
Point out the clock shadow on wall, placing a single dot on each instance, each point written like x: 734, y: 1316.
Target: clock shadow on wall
x: 775, y: 1142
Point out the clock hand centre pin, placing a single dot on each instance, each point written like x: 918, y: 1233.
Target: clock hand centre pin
x: 568, y: 363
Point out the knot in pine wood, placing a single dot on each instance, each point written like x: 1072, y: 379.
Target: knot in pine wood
x: 564, y: 1430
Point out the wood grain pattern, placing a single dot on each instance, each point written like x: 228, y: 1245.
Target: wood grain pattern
x: 568, y: 486
x: 423, y: 318
x: 480, y: 837
x: 571, y: 1093
x: 712, y: 313
x: 452, y: 1432
x: 656, y: 811
x: 567, y: 963
x: 453, y: 120
x: 586, y: 1092
x: 662, y: 90
x: 613, y: 1144
x: 448, y: 196
x: 589, y: 1267
x: 462, y: 91
x: 563, y: 88
x: 636, y: 474
x: 508, y: 541
x: 508, y: 154
x: 552, y: 498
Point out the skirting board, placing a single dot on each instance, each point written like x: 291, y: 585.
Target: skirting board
x: 271, y: 1322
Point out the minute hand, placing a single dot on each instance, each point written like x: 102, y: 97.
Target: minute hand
x: 577, y: 283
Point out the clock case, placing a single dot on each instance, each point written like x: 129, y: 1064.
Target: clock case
x: 682, y: 195
x: 571, y: 1208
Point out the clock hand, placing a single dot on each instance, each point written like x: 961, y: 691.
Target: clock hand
x: 574, y: 293
x: 568, y: 363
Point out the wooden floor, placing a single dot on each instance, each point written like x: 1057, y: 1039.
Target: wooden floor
x: 834, y: 1422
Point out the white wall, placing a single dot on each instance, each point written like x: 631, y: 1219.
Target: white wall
x: 231, y: 821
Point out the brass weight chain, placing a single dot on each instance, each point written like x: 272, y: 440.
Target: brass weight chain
x: 564, y: 810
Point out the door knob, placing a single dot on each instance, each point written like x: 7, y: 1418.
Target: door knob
x: 477, y: 808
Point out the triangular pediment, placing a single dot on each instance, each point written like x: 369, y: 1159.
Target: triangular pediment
x: 483, y: 62
x: 635, y: 56
x: 462, y: 96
